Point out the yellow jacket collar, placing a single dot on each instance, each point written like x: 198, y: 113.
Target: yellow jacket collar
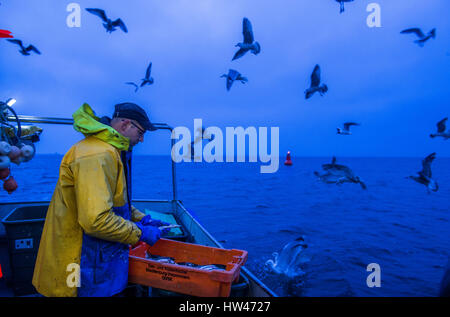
x: 86, y: 122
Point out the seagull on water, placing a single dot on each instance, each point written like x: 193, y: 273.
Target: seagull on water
x: 338, y: 174
x: 249, y: 43
x: 109, y: 25
x: 441, y: 130
x: 315, y: 84
x: 424, y: 176
x: 25, y: 50
x: 232, y: 76
x: 422, y: 37
x: 346, y: 130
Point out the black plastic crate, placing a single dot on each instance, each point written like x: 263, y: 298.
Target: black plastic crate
x: 23, y: 226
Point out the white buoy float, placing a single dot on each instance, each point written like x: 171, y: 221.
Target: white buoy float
x: 4, y: 162
x: 5, y: 148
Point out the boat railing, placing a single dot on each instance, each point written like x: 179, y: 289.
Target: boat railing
x: 68, y: 121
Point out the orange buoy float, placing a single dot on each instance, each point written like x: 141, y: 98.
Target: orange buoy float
x: 288, y: 159
x: 10, y: 185
x: 4, y: 173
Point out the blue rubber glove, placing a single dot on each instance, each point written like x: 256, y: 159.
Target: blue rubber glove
x: 148, y: 221
x: 149, y: 234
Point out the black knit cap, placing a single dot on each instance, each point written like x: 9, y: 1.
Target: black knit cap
x: 132, y: 111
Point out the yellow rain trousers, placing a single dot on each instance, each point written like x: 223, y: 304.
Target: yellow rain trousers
x: 89, y: 224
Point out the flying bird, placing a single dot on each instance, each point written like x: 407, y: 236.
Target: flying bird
x: 422, y: 37
x: 133, y: 84
x: 315, y: 84
x: 338, y: 174
x: 201, y: 135
x: 346, y: 130
x: 249, y: 43
x: 147, y: 80
x: 25, y: 50
x: 424, y: 176
x: 289, y: 261
x: 341, y: 2
x: 232, y: 76
x: 109, y: 25
x: 441, y: 130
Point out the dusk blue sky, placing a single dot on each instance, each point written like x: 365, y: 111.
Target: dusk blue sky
x: 376, y: 76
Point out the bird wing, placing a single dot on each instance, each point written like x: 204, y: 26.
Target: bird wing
x: 337, y: 168
x: 426, y: 165
x: 315, y: 77
x: 32, y: 48
x: 229, y: 83
x: 233, y: 74
x: 242, y: 79
x: 308, y: 94
x: 329, y: 166
x: 131, y: 83
x: 148, y: 72
x: 416, y: 31
x: 15, y: 41
x: 98, y: 12
x: 347, y: 125
x: 239, y: 53
x: 441, y: 125
x: 120, y: 24
x: 247, y: 30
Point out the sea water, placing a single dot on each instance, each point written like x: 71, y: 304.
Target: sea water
x: 394, y: 223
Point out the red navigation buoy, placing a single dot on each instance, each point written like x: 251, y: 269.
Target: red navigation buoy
x: 288, y: 159
x: 5, y: 34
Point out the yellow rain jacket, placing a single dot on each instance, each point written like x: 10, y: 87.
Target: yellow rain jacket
x: 89, y: 225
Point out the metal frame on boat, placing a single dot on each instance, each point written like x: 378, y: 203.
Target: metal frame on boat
x: 196, y: 232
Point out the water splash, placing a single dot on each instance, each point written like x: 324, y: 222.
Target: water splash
x: 289, y: 261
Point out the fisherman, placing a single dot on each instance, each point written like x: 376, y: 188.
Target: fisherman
x: 91, y: 223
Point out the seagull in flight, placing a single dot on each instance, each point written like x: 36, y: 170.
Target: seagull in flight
x: 422, y: 37
x: 201, y: 135
x: 147, y: 80
x: 342, y: 4
x: 249, y: 43
x: 424, y: 176
x: 109, y: 25
x: 133, y: 84
x: 232, y: 76
x: 338, y: 174
x: 24, y: 50
x: 346, y: 130
x: 441, y: 130
x: 315, y: 84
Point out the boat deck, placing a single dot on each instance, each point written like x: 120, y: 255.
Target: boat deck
x: 196, y: 233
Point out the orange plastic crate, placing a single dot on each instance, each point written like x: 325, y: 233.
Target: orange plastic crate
x: 183, y: 279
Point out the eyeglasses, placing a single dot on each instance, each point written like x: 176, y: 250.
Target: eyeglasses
x: 141, y: 132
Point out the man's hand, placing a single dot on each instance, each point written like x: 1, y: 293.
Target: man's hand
x: 150, y: 234
x: 148, y: 221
